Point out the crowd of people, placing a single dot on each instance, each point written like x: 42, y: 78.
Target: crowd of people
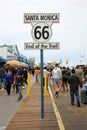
x: 62, y: 77
x: 66, y: 79
x: 13, y: 78
x: 69, y: 79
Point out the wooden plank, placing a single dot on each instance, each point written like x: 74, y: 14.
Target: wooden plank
x: 28, y: 116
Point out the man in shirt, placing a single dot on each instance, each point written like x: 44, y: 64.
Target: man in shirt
x: 74, y: 83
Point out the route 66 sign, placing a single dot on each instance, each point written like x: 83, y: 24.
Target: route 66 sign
x: 41, y: 32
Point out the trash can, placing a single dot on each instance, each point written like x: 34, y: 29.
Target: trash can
x: 84, y: 95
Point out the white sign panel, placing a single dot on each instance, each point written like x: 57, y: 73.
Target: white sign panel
x: 51, y: 45
x: 41, y: 30
x: 41, y: 17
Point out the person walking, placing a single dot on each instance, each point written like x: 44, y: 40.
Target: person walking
x: 79, y: 73
x: 8, y: 81
x: 74, y: 83
x: 64, y: 79
x: 25, y: 75
x: 45, y: 74
x: 19, y: 73
x: 19, y: 82
x: 2, y: 74
x: 57, y: 76
x: 84, y: 74
x: 37, y: 73
x: 13, y: 71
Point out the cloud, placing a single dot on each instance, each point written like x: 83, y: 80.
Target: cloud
x: 71, y: 32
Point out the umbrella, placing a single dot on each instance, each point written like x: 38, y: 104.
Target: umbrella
x: 13, y: 62
x: 24, y: 64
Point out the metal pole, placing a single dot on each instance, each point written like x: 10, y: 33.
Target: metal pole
x: 42, y: 87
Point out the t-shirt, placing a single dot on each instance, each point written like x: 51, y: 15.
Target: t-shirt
x: 37, y: 72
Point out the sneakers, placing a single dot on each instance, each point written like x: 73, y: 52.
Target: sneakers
x: 67, y: 89
x: 72, y: 104
x: 56, y: 94
x: 78, y: 104
x: 19, y: 98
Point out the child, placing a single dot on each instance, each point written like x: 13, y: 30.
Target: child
x: 19, y: 81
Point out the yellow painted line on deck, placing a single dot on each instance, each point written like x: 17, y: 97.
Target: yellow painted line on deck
x: 58, y: 116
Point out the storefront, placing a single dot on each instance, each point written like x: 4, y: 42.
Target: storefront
x: 2, y: 60
x: 11, y: 52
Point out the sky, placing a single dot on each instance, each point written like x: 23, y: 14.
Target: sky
x: 71, y: 31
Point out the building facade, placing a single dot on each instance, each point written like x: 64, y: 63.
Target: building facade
x: 10, y: 52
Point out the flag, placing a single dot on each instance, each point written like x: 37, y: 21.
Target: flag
x: 66, y: 60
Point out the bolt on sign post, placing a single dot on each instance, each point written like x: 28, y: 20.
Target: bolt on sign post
x: 41, y: 34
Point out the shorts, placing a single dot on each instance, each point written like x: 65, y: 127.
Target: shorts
x: 58, y: 81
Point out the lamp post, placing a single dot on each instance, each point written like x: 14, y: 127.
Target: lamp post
x: 81, y: 58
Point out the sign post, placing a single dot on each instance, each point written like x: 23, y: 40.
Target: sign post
x: 42, y: 87
x: 41, y: 34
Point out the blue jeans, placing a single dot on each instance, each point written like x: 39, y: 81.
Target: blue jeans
x: 72, y: 93
x: 37, y: 78
x: 1, y: 82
